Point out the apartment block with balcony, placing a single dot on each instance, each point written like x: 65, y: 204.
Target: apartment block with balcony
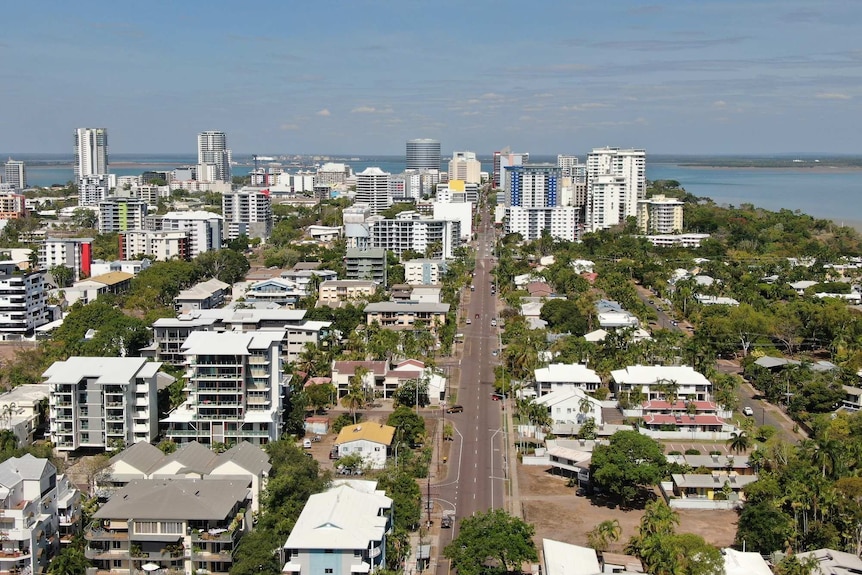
x: 367, y: 264
x: 158, y: 245
x: 31, y: 496
x: 235, y: 386
x: 335, y: 292
x: 98, y: 402
x: 182, y: 526
x: 12, y: 206
x: 73, y: 253
x: 660, y: 215
x: 121, y: 214
x: 23, y: 301
x: 424, y: 271
x: 247, y: 211
x: 407, y: 315
x: 360, y: 514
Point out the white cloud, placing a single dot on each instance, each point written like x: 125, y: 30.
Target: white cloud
x: 323, y: 112
x: 832, y: 96
x: 719, y: 104
x: 585, y: 106
x: 288, y: 127
x: 363, y: 110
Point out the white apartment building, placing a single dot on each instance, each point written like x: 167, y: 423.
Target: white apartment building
x: 335, y: 292
x: 457, y: 191
x: 572, y: 168
x: 562, y: 222
x: 213, y: 157
x: 160, y: 246
x: 15, y: 174
x: 409, y: 231
x: 660, y: 215
x: 97, y: 402
x: 460, y: 212
x: 654, y: 380
x: 372, y: 189
x: 23, y: 302
x: 557, y: 376
x: 424, y: 271
x: 464, y: 166
x: 332, y: 174
x: 205, y: 229
x: 91, y: 152
x: 236, y: 386
x: 21, y: 407
x: 74, y: 253
x: 603, y: 202
x: 94, y: 188
x: 38, y: 508
x: 121, y: 214
x: 628, y: 164
x: 247, y: 211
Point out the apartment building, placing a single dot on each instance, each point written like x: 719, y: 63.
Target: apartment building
x: 12, y: 206
x: 73, y: 253
x: 160, y: 246
x: 335, y: 292
x: 629, y: 166
x: 235, y: 389
x: 98, y: 402
x: 205, y: 229
x: 562, y: 223
x: 180, y: 526
x: 89, y: 290
x: 410, y: 231
x: 21, y: 407
x: 35, y: 501
x: 372, y: 189
x: 464, y: 166
x: 15, y: 174
x: 368, y: 264
x: 361, y: 515
x: 121, y: 214
x: 660, y: 215
x: 656, y: 381
x: 23, y: 301
x: 407, y: 315
x: 424, y: 271
x: 95, y: 188
x: 457, y: 192
x: 209, y: 294
x: 248, y: 212
x: 557, y: 376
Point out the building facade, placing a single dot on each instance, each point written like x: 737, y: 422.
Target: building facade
x: 213, y: 157
x: 464, y: 166
x: 372, y: 189
x: 23, y: 301
x: 12, y: 206
x: 627, y: 164
x: 73, y: 253
x: 15, y: 174
x: 205, y: 229
x: 121, y: 214
x: 423, y: 153
x: 94, y: 188
x: 368, y: 264
x: 160, y: 246
x: 248, y: 212
x: 410, y: 231
x: 660, y: 215
x: 91, y: 152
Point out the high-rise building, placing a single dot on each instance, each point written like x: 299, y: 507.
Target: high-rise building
x: 23, y: 300
x: 73, y: 253
x: 91, y: 152
x: 410, y: 231
x: 372, y: 188
x: 464, y: 166
x: 214, y: 157
x: 660, y: 215
x: 121, y: 214
x: 503, y: 158
x: 630, y: 165
x: 572, y: 168
x: 94, y: 188
x: 423, y: 153
x: 248, y: 212
x: 533, y: 185
x: 15, y: 174
x: 205, y: 229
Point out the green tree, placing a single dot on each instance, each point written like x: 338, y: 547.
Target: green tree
x: 606, y: 532
x: 493, y: 536
x: 320, y: 396
x: 629, y: 463
x: 410, y: 391
x: 408, y: 425
x: 85, y: 218
x: 763, y: 528
x: 71, y: 560
x: 406, y: 497
x: 227, y: 265
x: 739, y: 442
x: 63, y: 275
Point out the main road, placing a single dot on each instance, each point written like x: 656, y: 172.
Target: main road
x: 476, y: 479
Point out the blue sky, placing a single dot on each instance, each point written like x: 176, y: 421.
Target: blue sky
x: 363, y: 76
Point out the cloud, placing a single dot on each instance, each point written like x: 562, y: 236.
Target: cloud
x: 364, y: 110
x: 669, y: 45
x: 289, y: 127
x: 832, y: 96
x: 719, y: 104
x: 585, y: 106
x: 323, y: 112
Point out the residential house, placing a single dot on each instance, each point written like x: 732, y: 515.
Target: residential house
x: 565, y: 375
x: 369, y: 440
x: 23, y: 411
x: 302, y: 278
x: 274, y: 290
x: 852, y: 398
x: 98, y: 402
x: 335, y: 292
x: 570, y: 406
x: 209, y: 294
x: 341, y: 531
x: 832, y: 562
x: 179, y: 525
x: 738, y: 464
x: 654, y: 381
x: 89, y: 290
x: 33, y: 496
x: 134, y: 267
x: 717, y: 490
x: 344, y: 371
x: 631, y: 334
x: 539, y: 289
x: 560, y: 558
x: 325, y: 233
x: 744, y: 563
x: 612, y: 314
x: 707, y: 300
x: 682, y: 416
x: 427, y: 294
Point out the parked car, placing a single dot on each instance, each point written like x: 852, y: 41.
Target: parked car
x: 493, y: 323
x: 455, y: 409
x: 747, y: 411
x: 446, y: 522
x: 306, y: 443
x: 469, y: 321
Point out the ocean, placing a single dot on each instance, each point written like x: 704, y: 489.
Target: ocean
x: 821, y: 192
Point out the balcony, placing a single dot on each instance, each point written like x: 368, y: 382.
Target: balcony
x: 13, y: 555
x: 99, y: 534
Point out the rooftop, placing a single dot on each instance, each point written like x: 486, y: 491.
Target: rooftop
x: 181, y: 499
x: 374, y: 432
x: 105, y: 370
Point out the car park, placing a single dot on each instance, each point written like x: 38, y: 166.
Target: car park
x: 455, y: 409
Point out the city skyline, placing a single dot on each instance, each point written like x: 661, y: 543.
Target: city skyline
x: 725, y: 77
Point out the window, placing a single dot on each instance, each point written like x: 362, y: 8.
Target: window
x: 146, y: 527
x: 118, y: 563
x: 328, y: 570
x: 172, y: 527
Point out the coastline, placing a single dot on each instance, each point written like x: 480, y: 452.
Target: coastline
x: 822, y: 169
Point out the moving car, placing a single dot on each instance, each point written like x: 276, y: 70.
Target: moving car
x: 446, y: 522
x: 747, y: 411
x: 469, y: 321
x: 455, y: 409
x: 493, y: 323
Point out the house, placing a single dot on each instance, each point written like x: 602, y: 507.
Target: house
x: 735, y: 463
x: 571, y: 405
x: 317, y: 425
x: 832, y: 562
x: 97, y: 402
x: 382, y: 380
x: 341, y: 531
x: 653, y: 381
x: 369, y: 440
x: 134, y: 267
x: 742, y: 563
x: 274, y: 290
x: 38, y: 507
x: 335, y: 292
x: 716, y: 490
x: 687, y: 416
x: 89, y: 290
x: 23, y: 410
x: 560, y: 558
x: 325, y: 233
x: 777, y: 363
x: 852, y: 398
x: 564, y: 375
x: 344, y: 371
x: 715, y: 300
x: 612, y: 314
x: 800, y: 286
x: 302, y: 278
x: 210, y: 294
x: 635, y: 335
x: 426, y: 293
x: 539, y: 289
x: 179, y: 525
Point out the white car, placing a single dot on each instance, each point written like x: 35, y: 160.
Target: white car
x: 469, y: 321
x: 747, y: 411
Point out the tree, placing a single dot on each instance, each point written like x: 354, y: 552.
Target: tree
x: 739, y: 442
x: 408, y: 425
x: 227, y: 265
x: 493, y: 536
x: 606, y: 532
x: 355, y: 398
x: 62, y: 275
x: 70, y: 561
x: 630, y: 462
x: 320, y: 396
x: 763, y: 528
x: 410, y: 391
x: 85, y: 218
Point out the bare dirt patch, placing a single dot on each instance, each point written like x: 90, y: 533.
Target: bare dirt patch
x: 557, y: 513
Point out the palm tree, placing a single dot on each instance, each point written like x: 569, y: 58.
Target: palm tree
x: 604, y: 533
x: 355, y: 398
x: 585, y: 406
x: 739, y: 442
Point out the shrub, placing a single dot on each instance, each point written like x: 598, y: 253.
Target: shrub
x: 692, y: 452
x: 344, y: 420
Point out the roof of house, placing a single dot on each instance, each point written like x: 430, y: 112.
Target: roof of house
x: 630, y: 563
x: 344, y: 517
x: 567, y: 559
x: 713, y: 480
x: 184, y: 499
x: 348, y: 283
x: 770, y: 362
x: 651, y: 374
x: 248, y: 456
x: 141, y: 456
x: 105, y: 369
x: 681, y: 419
x: 374, y: 432
x: 112, y: 278
x: 741, y: 563
x: 27, y: 467
x: 26, y: 393
x: 202, y: 290
x: 566, y: 373
x: 567, y: 393
x: 407, y: 307
x: 679, y: 405
x: 832, y: 562
x: 711, y: 461
x: 193, y: 457
x: 349, y: 367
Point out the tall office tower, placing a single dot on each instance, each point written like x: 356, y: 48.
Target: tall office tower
x: 464, y: 166
x: 533, y: 185
x: 91, y: 152
x: 423, y: 153
x: 15, y: 175
x: 372, y: 188
x: 629, y: 164
x: 213, y: 157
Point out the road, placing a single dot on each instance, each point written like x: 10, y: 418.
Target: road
x: 476, y: 478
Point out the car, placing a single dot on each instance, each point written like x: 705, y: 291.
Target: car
x: 306, y: 443
x: 747, y: 411
x: 455, y: 409
x: 496, y: 397
x: 494, y: 353
x: 469, y: 321
x: 493, y: 323
x: 472, y: 288
x: 674, y: 323
x: 477, y: 316
x: 446, y: 522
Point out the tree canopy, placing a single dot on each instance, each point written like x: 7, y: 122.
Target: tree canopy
x: 629, y: 463
x: 491, y: 537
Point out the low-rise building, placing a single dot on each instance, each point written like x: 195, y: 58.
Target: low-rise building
x: 89, y: 290
x: 73, y: 253
x: 208, y: 294
x: 656, y: 381
x: 407, y: 315
x: 706, y: 300
x: 369, y: 440
x: 23, y: 411
x: 341, y: 531
x: 715, y: 490
x: 99, y: 402
x: 23, y: 301
x: 274, y: 290
x: 335, y: 292
x: 611, y: 315
x: 161, y: 245
x: 424, y: 271
x: 570, y: 406
x: 366, y: 264
x: 134, y: 267
x: 178, y: 525
x: 565, y: 375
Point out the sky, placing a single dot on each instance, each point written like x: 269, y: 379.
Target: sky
x: 362, y: 76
